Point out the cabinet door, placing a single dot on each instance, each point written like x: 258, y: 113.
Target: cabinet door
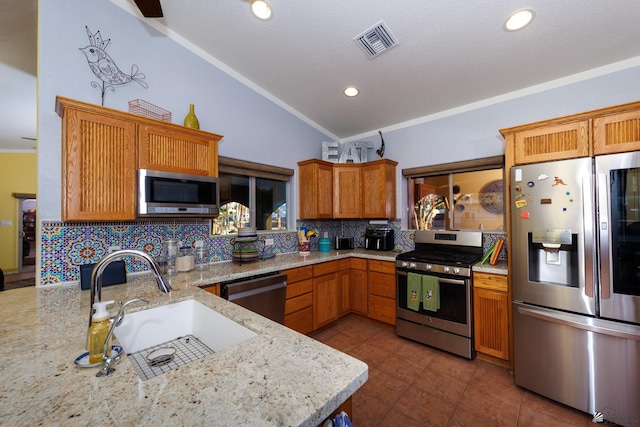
x: 378, y: 184
x: 315, y: 189
x: 346, y: 190
x: 558, y: 142
x: 99, y: 167
x: 325, y: 300
x: 177, y: 149
x: 616, y: 133
x: 491, y: 319
x: 359, y: 291
x: 344, y: 285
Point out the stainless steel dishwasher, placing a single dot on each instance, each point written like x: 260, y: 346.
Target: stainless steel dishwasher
x: 264, y: 294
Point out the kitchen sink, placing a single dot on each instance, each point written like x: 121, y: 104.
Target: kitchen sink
x: 155, y: 326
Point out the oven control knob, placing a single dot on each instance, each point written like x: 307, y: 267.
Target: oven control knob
x: 446, y: 269
x: 456, y: 270
x: 403, y: 264
x: 412, y: 265
x: 428, y: 267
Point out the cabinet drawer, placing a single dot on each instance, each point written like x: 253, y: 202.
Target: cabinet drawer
x: 301, y: 321
x: 299, y: 288
x: 325, y: 268
x: 298, y: 274
x: 359, y: 263
x: 344, y: 264
x: 496, y: 282
x: 382, y: 266
x: 382, y: 309
x: 298, y: 303
x: 382, y: 284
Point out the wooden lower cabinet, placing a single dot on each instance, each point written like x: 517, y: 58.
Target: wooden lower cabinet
x: 326, y: 293
x: 317, y: 295
x: 344, y: 286
x: 298, y: 308
x: 382, y: 291
x: 491, y: 314
x: 213, y: 288
x: 359, y: 286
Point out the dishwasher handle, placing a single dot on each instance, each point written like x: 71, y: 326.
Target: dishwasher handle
x: 252, y: 285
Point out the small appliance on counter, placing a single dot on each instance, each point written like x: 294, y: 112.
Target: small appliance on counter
x: 378, y: 239
x: 343, y: 243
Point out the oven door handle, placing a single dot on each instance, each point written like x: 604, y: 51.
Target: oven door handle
x: 441, y: 279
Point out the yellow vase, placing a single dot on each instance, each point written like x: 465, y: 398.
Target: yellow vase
x: 191, y: 121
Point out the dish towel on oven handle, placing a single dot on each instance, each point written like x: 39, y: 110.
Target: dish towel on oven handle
x: 414, y: 291
x: 430, y: 293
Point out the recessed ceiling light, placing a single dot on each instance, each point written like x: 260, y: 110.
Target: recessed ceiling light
x: 519, y: 19
x: 351, y: 91
x: 261, y: 9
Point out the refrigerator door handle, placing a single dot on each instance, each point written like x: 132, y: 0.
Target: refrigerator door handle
x: 588, y: 235
x: 580, y: 322
x: 603, y: 232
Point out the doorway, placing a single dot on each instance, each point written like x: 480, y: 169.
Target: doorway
x: 26, y: 232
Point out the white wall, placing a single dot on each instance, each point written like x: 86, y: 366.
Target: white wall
x: 254, y: 128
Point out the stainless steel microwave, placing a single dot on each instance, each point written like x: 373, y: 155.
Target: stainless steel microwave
x: 167, y: 194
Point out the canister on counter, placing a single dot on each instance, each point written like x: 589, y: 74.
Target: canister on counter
x: 186, y: 260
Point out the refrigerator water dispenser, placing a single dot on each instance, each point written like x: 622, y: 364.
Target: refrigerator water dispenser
x: 553, y: 262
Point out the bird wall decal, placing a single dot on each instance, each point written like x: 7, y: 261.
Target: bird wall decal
x: 105, y: 68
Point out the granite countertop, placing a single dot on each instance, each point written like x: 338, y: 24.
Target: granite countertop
x: 228, y: 270
x: 278, y: 378
x: 501, y: 267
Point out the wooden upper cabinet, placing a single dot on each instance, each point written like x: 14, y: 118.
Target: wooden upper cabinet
x: 102, y: 149
x: 616, y: 133
x: 378, y: 186
x: 346, y: 190
x: 564, y: 141
x: 98, y: 167
x: 315, y: 189
x: 177, y: 149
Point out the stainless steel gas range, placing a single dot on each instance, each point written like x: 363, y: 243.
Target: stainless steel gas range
x: 434, y: 293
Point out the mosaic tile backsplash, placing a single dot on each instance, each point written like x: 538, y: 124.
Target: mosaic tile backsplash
x: 66, y: 246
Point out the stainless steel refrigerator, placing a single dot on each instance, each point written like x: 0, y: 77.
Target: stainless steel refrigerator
x: 576, y: 283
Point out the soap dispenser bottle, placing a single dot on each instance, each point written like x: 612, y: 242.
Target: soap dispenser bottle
x: 98, y: 331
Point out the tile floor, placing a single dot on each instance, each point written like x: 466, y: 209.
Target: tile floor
x: 411, y: 384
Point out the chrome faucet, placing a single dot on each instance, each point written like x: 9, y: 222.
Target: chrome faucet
x: 107, y: 360
x: 96, y: 274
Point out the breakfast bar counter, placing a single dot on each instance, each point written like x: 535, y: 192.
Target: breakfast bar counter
x: 277, y: 378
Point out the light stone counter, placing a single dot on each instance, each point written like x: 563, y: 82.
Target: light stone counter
x: 278, y: 378
x: 228, y: 270
x: 499, y: 268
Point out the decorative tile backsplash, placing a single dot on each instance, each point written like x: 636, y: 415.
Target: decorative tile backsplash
x: 66, y: 246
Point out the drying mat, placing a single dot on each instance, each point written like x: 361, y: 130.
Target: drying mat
x: 188, y: 349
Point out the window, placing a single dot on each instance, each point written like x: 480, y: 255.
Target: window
x: 251, y: 195
x: 459, y: 196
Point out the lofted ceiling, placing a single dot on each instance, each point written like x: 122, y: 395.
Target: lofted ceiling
x: 450, y: 53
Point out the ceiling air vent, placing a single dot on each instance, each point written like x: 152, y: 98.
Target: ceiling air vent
x: 376, y: 40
